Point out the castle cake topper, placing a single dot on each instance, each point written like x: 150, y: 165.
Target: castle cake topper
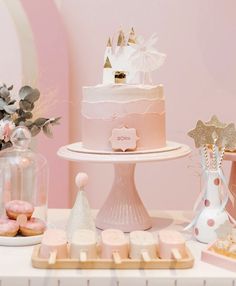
x: 131, y: 59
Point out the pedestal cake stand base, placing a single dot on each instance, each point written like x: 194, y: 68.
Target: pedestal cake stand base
x: 123, y: 208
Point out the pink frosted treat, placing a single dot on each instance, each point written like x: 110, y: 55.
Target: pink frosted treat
x: 34, y: 226
x: 54, y: 245
x: 8, y: 227
x: 171, y: 244
x: 17, y: 207
x: 114, y: 245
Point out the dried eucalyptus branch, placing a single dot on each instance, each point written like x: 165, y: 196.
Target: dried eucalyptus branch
x: 20, y: 112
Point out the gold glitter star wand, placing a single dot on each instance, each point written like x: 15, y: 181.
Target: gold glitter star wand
x: 202, y: 135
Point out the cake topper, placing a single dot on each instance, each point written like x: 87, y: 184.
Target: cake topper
x: 109, y: 42
x: 107, y: 64
x: 132, y: 37
x: 120, y: 77
x: 121, y: 39
x: 138, y: 58
x: 146, y: 58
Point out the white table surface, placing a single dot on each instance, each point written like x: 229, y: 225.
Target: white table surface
x: 16, y: 269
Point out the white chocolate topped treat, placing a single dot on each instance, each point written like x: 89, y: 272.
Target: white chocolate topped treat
x: 83, y: 245
x: 142, y: 245
x: 113, y: 242
x: 171, y: 244
x: 54, y: 241
x: 106, y: 108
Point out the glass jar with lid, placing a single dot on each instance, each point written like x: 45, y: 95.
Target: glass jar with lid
x: 23, y: 174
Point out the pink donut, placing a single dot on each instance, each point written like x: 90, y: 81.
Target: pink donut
x: 17, y: 207
x: 8, y: 227
x: 34, y: 226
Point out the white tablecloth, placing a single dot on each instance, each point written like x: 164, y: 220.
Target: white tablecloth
x: 16, y: 269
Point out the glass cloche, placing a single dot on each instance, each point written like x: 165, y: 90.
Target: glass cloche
x: 23, y: 174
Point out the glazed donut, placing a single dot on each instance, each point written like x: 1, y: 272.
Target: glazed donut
x: 8, y: 227
x: 34, y: 226
x: 17, y: 207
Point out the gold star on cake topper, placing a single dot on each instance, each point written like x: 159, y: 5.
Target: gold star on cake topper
x: 214, y: 121
x: 202, y: 134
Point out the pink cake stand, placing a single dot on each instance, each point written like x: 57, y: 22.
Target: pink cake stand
x: 123, y: 208
x: 232, y: 182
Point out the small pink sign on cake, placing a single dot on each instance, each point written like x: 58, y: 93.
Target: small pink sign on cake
x: 124, y: 139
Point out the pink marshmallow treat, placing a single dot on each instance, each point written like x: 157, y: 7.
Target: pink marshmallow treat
x: 171, y: 244
x: 113, y: 241
x: 54, y: 241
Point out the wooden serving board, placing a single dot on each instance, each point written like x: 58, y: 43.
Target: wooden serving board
x: 69, y: 263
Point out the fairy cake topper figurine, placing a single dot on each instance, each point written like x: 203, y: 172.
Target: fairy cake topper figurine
x: 132, y: 58
x: 146, y: 58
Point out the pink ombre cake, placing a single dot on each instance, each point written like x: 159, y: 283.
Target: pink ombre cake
x: 108, y: 107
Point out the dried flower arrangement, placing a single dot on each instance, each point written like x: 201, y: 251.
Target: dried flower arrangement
x: 19, y: 112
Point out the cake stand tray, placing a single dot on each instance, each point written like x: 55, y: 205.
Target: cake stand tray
x: 123, y: 208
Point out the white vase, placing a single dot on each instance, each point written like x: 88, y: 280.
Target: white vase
x: 213, y: 214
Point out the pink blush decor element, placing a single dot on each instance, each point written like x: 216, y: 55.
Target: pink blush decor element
x: 124, y: 139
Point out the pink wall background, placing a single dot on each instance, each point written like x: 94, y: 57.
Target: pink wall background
x: 51, y: 47
x: 198, y: 77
